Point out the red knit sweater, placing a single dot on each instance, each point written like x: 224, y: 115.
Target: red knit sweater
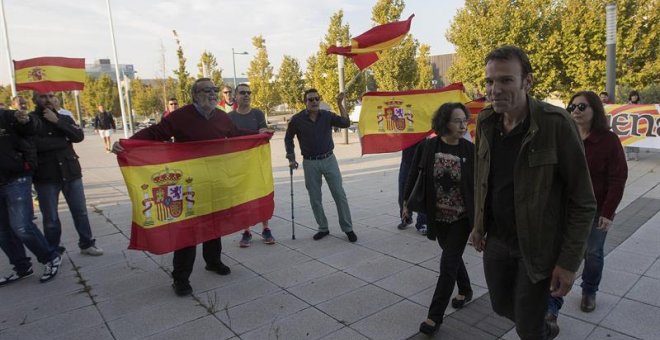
x: 608, y: 170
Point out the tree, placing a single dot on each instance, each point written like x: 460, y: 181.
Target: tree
x: 101, y: 91
x: 322, y: 68
x: 261, y: 78
x: 424, y: 68
x: 396, y: 69
x: 184, y: 85
x: 208, y: 63
x: 290, y: 84
x: 146, y: 99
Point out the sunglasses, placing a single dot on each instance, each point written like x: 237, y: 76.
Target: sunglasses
x: 581, y: 107
x: 210, y: 90
x: 242, y: 93
x: 314, y: 99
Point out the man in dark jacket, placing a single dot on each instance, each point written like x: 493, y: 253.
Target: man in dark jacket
x: 104, y: 125
x: 17, y: 159
x: 533, y: 199
x: 59, y: 171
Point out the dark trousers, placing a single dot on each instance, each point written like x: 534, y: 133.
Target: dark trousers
x: 184, y: 258
x: 404, y: 171
x: 512, y: 294
x: 452, y: 239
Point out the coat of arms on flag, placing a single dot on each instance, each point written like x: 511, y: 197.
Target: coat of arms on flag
x: 168, y: 196
x: 396, y: 116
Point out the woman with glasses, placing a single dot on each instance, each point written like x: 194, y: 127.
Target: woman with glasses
x: 446, y: 162
x: 609, y: 171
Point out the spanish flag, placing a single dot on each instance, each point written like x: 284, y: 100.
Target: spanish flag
x: 365, y: 48
x: 393, y: 121
x: 47, y: 74
x: 183, y: 194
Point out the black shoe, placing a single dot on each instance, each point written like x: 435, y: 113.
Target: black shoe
x: 588, y: 303
x: 320, y: 235
x: 15, y: 276
x: 404, y: 224
x: 182, y: 288
x: 458, y: 304
x: 427, y: 329
x: 219, y: 268
x: 351, y: 236
x: 552, y: 329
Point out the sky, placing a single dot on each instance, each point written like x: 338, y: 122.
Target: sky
x: 81, y: 29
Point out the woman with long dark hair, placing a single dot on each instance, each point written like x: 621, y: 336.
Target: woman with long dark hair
x: 608, y: 170
x: 447, y: 163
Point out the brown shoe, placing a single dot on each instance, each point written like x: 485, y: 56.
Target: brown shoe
x: 588, y: 303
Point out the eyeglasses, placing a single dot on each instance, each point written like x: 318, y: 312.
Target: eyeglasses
x: 242, y: 93
x: 314, y: 99
x: 581, y: 107
x: 209, y: 90
x: 459, y: 121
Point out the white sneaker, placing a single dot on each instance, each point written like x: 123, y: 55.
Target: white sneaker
x: 51, y: 269
x: 92, y: 251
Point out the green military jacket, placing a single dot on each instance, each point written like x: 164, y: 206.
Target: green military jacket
x: 553, y: 196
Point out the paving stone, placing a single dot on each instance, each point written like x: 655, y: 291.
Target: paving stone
x: 654, y: 271
x: 349, y: 258
x: 377, y: 268
x: 646, y: 290
x: 345, y: 333
x: 409, y: 282
x: 635, y: 319
x: 207, y: 327
x: 629, y: 262
x: 64, y: 323
x: 305, y: 324
x: 325, y: 288
x: 604, y: 304
x: 358, y: 304
x: 27, y: 312
x: 399, y: 321
x: 96, y: 332
x: 600, y: 333
x: 238, y: 293
x: 299, y: 273
x: 615, y: 282
x: 570, y: 328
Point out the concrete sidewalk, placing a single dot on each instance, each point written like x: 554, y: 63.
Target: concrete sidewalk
x: 377, y: 288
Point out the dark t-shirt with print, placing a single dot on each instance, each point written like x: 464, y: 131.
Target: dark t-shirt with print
x: 447, y: 180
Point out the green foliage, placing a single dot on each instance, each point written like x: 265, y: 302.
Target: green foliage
x: 322, y: 69
x: 290, y: 84
x: 145, y: 99
x: 101, y: 91
x: 424, y: 68
x: 208, y: 61
x: 564, y: 39
x: 261, y: 78
x: 5, y: 95
x: 185, y: 84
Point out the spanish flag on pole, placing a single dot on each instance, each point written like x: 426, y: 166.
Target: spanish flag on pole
x: 393, y: 121
x: 50, y: 74
x: 365, y: 48
x: 183, y: 194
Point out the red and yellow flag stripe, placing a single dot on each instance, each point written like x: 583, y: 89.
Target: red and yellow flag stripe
x: 187, y: 193
x: 46, y: 74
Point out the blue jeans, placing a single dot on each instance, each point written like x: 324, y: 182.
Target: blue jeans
x: 328, y: 168
x: 74, y: 194
x: 17, y: 228
x: 593, y: 266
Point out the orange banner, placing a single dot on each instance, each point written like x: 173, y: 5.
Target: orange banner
x: 636, y: 125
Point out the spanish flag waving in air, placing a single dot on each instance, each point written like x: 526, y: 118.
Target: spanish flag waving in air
x: 365, y: 47
x: 393, y: 121
x: 46, y: 74
x: 183, y: 194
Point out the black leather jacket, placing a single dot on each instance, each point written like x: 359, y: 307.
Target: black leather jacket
x: 17, y: 152
x: 57, y: 161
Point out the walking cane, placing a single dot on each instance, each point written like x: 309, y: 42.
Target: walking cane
x: 293, y: 230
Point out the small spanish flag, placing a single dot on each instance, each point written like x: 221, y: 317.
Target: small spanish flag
x: 183, y: 194
x: 46, y: 74
x: 365, y: 48
x: 393, y: 121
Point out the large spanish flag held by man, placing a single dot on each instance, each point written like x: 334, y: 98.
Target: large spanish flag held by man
x: 47, y: 74
x: 365, y: 47
x: 393, y: 121
x: 183, y: 194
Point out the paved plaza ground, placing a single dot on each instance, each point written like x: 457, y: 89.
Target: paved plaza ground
x: 377, y: 288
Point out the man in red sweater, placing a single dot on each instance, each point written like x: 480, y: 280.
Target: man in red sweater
x: 201, y: 120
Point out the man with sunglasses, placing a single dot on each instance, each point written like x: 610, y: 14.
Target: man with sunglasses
x: 172, y: 105
x: 313, y: 128
x: 533, y: 199
x: 227, y: 103
x: 247, y: 117
x: 201, y: 120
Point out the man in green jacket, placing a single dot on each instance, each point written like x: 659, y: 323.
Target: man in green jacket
x: 533, y: 198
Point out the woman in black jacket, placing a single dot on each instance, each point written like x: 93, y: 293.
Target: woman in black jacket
x: 446, y: 163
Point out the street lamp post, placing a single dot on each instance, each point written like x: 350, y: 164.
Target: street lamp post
x: 233, y: 60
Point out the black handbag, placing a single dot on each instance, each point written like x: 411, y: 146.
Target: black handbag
x: 417, y: 200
